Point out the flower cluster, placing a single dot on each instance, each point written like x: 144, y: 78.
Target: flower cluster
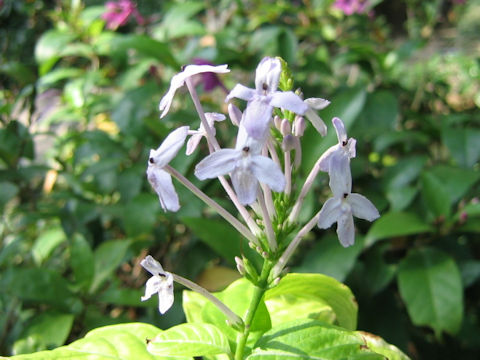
x: 118, y: 13
x: 269, y: 133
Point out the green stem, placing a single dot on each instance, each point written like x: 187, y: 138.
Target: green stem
x: 252, y: 309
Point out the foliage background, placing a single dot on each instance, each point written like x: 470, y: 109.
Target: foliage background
x: 78, y: 115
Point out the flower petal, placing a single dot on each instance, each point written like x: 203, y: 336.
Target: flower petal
x: 324, y: 161
x: 340, y: 175
x: 178, y: 81
x: 268, y: 74
x: 268, y: 172
x: 161, y: 182
x: 152, y: 265
x: 329, y: 213
x: 340, y: 129
x: 256, y: 118
x: 193, y: 142
x: 152, y: 287
x: 245, y: 185
x: 241, y: 92
x: 235, y: 114
x: 346, y: 229
x: 169, y: 147
x: 316, y: 121
x: 216, y: 164
x: 288, y: 100
x: 362, y: 207
x: 165, y: 294
x: 317, y: 103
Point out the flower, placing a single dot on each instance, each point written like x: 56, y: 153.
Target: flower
x: 246, y: 166
x: 161, y: 180
x: 197, y: 135
x: 178, y: 81
x: 344, y: 205
x: 209, y: 80
x: 344, y: 150
x: 265, y: 97
x: 350, y: 7
x: 317, y: 122
x: 161, y: 283
x: 118, y: 12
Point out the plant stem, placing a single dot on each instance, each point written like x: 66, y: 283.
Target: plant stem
x: 252, y: 309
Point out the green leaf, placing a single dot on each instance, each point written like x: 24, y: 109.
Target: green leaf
x: 234, y: 296
x: 82, y: 261
x: 380, y: 346
x: 145, y: 46
x: 46, y: 243
x: 193, y: 303
x: 140, y: 214
x: 463, y: 144
x: 431, y: 286
x: 324, y: 288
x: 8, y: 191
x: 435, y: 195
x: 403, y: 172
x: 400, y: 198
x: 328, y: 257
x: 394, y: 224
x: 177, y: 21
x: 49, y: 46
x: 347, y: 106
x: 116, y: 342
x: 190, y: 340
x: 378, y: 117
x: 47, y: 330
x: 307, y: 339
x: 457, y: 181
x: 108, y: 256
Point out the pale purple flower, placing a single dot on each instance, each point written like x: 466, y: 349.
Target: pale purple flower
x: 317, y: 122
x: 245, y: 165
x: 265, y: 97
x: 161, y: 180
x: 209, y: 80
x: 350, y: 7
x: 160, y: 283
x: 118, y: 13
x: 178, y: 81
x: 345, y: 149
x: 344, y: 205
x: 197, y: 135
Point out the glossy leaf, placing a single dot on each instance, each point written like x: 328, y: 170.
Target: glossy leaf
x: 380, y: 346
x: 463, y: 144
x: 309, y: 339
x: 190, y: 340
x: 324, y: 288
x: 82, y: 261
x: 435, y: 195
x: 116, y: 342
x: 46, y: 243
x: 396, y: 224
x: 431, y: 286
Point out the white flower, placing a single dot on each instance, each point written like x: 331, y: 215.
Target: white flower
x: 246, y: 167
x: 344, y: 205
x: 344, y: 150
x: 317, y: 122
x: 161, y: 180
x: 265, y: 97
x: 160, y: 283
x: 178, y: 81
x: 197, y: 135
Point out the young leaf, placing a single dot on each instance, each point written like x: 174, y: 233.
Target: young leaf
x: 431, y: 286
x: 190, y: 340
x: 310, y: 339
x: 325, y: 289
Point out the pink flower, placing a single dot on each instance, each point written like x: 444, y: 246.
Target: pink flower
x: 118, y: 13
x: 350, y: 7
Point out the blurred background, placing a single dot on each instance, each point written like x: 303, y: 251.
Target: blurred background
x: 80, y: 83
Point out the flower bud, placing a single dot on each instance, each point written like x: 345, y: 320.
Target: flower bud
x: 285, y: 127
x: 299, y: 126
x: 288, y: 143
x: 240, y: 266
x: 278, y: 122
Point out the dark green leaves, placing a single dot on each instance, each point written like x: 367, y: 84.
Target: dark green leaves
x: 431, y: 286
